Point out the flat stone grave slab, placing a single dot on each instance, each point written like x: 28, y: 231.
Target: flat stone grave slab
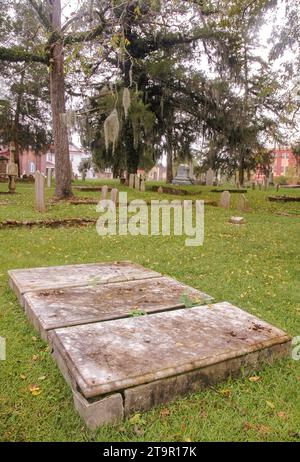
x: 58, y: 277
x: 51, y: 309
x: 102, y: 358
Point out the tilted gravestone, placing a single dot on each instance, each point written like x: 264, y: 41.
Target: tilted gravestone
x: 40, y: 191
x: 225, y: 200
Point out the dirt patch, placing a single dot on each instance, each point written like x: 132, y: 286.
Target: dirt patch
x: 233, y: 191
x: 174, y: 191
x: 90, y: 188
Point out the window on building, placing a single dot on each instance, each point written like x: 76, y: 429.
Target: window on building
x: 32, y: 167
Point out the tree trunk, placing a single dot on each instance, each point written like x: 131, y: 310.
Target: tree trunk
x: 16, y: 127
x: 241, y: 171
x: 132, y: 153
x: 63, y: 175
x: 169, y: 157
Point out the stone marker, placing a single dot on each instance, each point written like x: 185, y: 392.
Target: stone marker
x: 114, y: 195
x: 277, y: 187
x: 182, y: 176
x: 105, y: 357
x: 160, y: 190
x: 12, y: 171
x: 225, y: 200
x: 57, y: 277
x: 143, y: 186
x: 243, y: 203
x: 237, y: 220
x: 137, y: 182
x: 49, y: 174
x: 104, y: 191
x: 131, y: 180
x: 210, y: 174
x: 71, y: 306
x: 40, y: 191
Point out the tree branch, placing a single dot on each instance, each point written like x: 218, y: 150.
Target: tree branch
x: 15, y: 55
x: 41, y: 14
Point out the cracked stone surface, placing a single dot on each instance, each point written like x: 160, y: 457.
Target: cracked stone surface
x: 57, y: 277
x: 106, y: 357
x: 50, y: 309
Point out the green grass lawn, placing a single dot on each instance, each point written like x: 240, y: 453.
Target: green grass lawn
x: 255, y: 266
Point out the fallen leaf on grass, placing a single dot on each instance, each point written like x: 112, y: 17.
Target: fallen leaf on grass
x: 137, y: 420
x: 282, y: 415
x: 270, y: 404
x: 138, y: 431
x: 42, y: 377
x: 35, y: 357
x: 35, y: 390
x: 23, y: 377
x: 263, y: 429
x: 255, y: 378
x: 226, y: 392
x: 164, y: 412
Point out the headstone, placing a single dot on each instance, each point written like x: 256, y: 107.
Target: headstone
x: 49, y: 174
x: 131, y: 180
x: 104, y: 190
x: 160, y: 190
x: 210, y: 174
x: 225, y: 200
x: 137, y: 182
x: 237, y: 220
x: 40, y: 191
x: 182, y: 176
x: 243, y: 203
x: 277, y: 187
x: 12, y: 169
x: 143, y: 186
x: 114, y: 195
x: 12, y: 173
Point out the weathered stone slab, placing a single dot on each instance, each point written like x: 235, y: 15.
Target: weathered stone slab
x: 116, y: 355
x: 145, y: 397
x: 57, y: 277
x: 51, y: 309
x: 106, y: 410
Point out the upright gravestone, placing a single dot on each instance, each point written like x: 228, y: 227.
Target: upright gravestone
x: 40, y: 191
x: 12, y: 171
x: 243, y: 203
x: 131, y: 180
x: 210, y: 177
x: 104, y: 190
x: 114, y: 196
x: 182, y: 176
x: 142, y: 186
x: 49, y: 174
x: 137, y: 182
x: 225, y: 200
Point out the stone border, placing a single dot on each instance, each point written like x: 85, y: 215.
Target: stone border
x: 284, y: 198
